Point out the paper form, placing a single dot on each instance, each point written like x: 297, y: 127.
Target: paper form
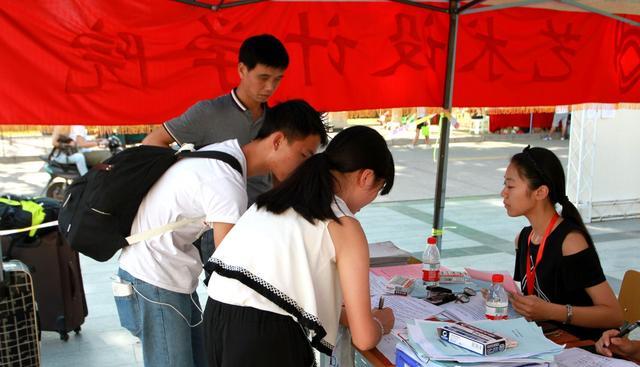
x: 387, y: 345
x: 532, y: 346
x: 474, y: 310
x: 414, y: 352
x: 580, y: 357
x: 407, y: 308
x: 509, y: 284
x: 376, y: 284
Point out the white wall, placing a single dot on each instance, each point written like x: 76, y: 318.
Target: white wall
x: 604, y: 171
x: 617, y: 165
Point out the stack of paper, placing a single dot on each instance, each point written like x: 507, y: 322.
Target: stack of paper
x: 533, y: 347
x: 386, y: 253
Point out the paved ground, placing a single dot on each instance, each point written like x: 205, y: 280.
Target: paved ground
x: 478, y: 233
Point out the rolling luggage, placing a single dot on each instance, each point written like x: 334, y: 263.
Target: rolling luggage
x: 19, y: 344
x: 57, y: 280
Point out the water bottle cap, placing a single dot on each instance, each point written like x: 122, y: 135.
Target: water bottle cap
x: 497, y: 278
x: 432, y: 240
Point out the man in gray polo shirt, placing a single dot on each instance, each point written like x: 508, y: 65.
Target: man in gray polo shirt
x: 262, y: 62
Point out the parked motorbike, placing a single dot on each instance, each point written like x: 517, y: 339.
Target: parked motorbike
x: 62, y: 175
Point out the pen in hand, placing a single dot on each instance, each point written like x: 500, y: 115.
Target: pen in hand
x: 381, y: 303
x: 627, y: 328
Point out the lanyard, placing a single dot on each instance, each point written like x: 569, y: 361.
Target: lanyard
x: 531, y: 272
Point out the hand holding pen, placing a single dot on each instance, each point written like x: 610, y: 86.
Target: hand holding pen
x: 384, y: 316
x: 614, y: 342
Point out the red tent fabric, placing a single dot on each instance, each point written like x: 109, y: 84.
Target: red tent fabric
x: 118, y: 62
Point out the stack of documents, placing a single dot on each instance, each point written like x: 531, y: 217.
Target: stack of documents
x: 533, y: 347
x: 580, y: 357
x: 386, y: 253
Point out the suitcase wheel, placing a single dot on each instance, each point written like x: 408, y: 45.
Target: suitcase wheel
x: 77, y: 330
x: 64, y: 336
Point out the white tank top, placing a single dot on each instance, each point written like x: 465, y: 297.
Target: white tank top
x: 283, y: 264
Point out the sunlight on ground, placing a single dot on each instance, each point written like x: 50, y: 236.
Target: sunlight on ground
x: 488, y: 145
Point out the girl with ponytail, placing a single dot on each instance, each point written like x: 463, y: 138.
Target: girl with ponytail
x: 556, y: 260
x: 282, y: 274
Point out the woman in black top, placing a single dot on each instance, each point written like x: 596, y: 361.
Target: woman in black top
x: 556, y: 261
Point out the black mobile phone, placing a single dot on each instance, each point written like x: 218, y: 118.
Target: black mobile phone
x: 440, y: 298
x: 627, y: 328
x: 438, y: 289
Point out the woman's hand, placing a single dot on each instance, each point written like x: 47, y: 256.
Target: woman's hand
x: 609, y: 344
x: 386, y: 317
x: 531, y: 307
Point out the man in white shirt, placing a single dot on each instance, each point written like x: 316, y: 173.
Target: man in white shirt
x: 90, y: 148
x: 162, y: 308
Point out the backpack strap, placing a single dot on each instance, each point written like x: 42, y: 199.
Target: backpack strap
x: 153, y: 232
x: 149, y: 233
x: 211, y: 154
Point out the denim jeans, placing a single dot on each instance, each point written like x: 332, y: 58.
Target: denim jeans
x: 76, y: 158
x: 166, y: 338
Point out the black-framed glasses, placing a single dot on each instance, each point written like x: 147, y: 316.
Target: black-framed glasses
x: 466, y: 295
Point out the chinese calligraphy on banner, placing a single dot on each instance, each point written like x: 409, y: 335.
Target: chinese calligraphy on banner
x: 113, y: 63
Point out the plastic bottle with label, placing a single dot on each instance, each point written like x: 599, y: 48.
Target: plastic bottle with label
x: 497, y: 304
x: 431, y: 263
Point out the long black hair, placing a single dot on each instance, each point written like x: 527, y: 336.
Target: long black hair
x: 540, y: 166
x: 310, y: 189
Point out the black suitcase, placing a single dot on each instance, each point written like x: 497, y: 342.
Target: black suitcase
x: 57, y: 280
x: 19, y: 342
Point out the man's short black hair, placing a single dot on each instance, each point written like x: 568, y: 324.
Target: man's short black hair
x: 296, y: 119
x: 263, y: 49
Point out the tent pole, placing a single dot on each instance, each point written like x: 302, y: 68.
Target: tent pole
x: 443, y: 154
x: 591, y: 9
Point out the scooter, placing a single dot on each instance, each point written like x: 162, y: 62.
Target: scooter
x: 62, y: 175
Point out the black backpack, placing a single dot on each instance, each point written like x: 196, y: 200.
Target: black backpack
x: 99, y: 207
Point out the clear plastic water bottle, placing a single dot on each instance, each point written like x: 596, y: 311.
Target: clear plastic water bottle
x: 497, y: 305
x: 431, y: 263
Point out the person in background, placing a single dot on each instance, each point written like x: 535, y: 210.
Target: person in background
x: 282, y: 273
x: 384, y: 118
x: 262, y: 62
x: 423, y: 126
x: 556, y: 261
x: 89, y: 147
x: 65, y: 150
x: 609, y: 345
x: 560, y: 119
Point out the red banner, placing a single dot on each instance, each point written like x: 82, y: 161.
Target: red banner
x: 97, y: 62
